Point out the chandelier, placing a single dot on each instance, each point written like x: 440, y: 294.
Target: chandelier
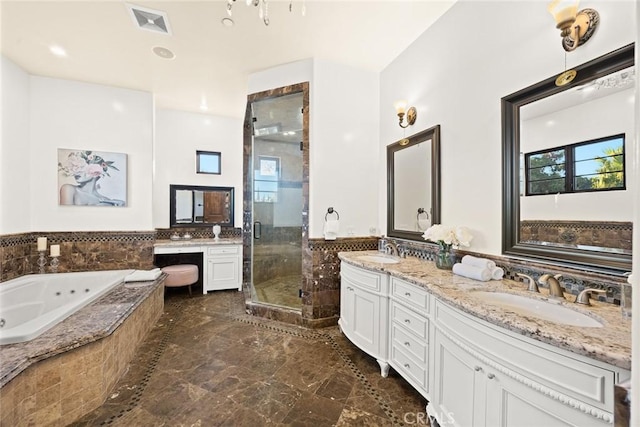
x: 263, y: 8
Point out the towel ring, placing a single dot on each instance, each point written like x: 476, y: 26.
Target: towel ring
x: 331, y: 211
x: 421, y: 211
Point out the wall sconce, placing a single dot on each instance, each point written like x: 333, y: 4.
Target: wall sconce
x: 412, y: 114
x: 576, y: 27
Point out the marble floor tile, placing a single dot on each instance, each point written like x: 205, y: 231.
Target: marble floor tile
x: 207, y: 363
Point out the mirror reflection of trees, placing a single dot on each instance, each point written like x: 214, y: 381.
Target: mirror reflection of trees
x: 590, y: 166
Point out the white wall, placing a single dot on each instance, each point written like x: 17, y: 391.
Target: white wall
x: 15, y: 163
x: 455, y: 75
x: 602, y: 117
x: 75, y: 115
x: 178, y: 135
x: 344, y: 148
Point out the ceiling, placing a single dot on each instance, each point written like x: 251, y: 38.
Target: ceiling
x: 212, y: 61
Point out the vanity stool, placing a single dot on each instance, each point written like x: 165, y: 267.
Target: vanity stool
x: 180, y: 275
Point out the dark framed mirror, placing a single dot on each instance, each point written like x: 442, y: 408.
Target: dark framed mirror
x: 413, y: 184
x: 193, y: 206
x: 570, y: 227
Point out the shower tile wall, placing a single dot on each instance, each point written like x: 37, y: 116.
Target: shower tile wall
x: 79, y: 251
x: 321, y: 301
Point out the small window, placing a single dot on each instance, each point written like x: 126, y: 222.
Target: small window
x: 586, y: 166
x: 266, y: 179
x: 208, y: 162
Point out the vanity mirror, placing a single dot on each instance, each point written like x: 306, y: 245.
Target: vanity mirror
x: 581, y: 223
x: 192, y: 205
x: 413, y: 184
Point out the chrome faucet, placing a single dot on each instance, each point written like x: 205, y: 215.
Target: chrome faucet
x: 532, y: 285
x: 583, y: 297
x: 555, y: 288
x: 391, y: 248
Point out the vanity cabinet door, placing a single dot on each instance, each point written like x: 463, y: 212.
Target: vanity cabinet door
x: 458, y: 395
x: 223, y: 268
x: 364, y: 313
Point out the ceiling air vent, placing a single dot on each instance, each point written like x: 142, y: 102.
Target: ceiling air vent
x: 149, y: 19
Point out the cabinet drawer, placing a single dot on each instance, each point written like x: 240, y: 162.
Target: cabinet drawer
x: 410, y: 294
x: 576, y: 376
x: 408, y: 367
x: 410, y: 321
x: 224, y: 250
x: 362, y: 278
x: 176, y: 249
x: 409, y: 343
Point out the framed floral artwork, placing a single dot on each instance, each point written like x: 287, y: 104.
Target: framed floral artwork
x: 92, y: 178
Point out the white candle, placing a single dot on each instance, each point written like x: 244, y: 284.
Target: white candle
x: 55, y: 250
x: 42, y: 243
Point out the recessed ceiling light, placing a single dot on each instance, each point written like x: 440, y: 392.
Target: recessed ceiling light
x: 58, y: 51
x: 227, y: 22
x: 163, y: 52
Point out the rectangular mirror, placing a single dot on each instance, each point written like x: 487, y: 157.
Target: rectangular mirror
x: 192, y: 205
x: 413, y: 184
x: 579, y: 132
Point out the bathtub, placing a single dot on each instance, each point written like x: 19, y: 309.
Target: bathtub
x: 31, y: 304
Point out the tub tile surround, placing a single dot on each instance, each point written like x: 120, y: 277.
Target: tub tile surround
x: 69, y: 370
x: 79, y: 251
x: 610, y: 344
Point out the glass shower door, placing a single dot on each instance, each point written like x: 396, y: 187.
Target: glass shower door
x: 277, y: 200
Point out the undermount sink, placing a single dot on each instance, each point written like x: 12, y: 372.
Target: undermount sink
x: 379, y: 258
x: 545, y: 310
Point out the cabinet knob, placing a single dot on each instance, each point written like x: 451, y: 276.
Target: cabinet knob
x: 491, y: 376
x: 407, y: 321
x: 408, y: 344
x: 406, y: 365
x: 408, y: 294
x: 349, y: 288
x: 477, y: 368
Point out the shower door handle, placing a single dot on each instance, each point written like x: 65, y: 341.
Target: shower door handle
x: 257, y: 230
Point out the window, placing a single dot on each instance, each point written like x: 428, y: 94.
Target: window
x: 594, y: 165
x: 266, y: 179
x: 208, y: 162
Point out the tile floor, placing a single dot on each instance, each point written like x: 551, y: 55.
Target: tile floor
x: 280, y: 291
x: 207, y: 363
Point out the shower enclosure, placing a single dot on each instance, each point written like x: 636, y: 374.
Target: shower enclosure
x: 277, y: 200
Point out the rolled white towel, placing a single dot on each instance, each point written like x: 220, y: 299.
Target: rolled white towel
x: 478, y: 262
x: 143, y: 275
x: 472, y: 272
x: 497, y: 273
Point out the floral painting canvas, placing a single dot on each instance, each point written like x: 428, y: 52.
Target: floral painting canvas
x: 92, y: 178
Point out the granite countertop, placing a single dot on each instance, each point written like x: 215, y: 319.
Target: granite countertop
x: 91, y: 323
x: 167, y: 243
x: 610, y: 344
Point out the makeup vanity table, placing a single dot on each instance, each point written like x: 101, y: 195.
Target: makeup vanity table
x: 221, y: 260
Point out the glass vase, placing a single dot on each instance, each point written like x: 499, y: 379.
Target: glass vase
x: 445, y: 258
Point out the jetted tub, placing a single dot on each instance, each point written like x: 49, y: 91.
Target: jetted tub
x: 31, y: 304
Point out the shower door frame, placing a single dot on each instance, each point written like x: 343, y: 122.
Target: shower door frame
x: 290, y: 315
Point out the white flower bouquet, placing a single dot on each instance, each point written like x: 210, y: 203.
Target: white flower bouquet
x: 447, y: 236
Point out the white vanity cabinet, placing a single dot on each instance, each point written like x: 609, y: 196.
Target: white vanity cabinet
x: 221, y: 263
x: 224, y: 267
x: 472, y: 372
x: 364, y: 311
x: 486, y: 376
